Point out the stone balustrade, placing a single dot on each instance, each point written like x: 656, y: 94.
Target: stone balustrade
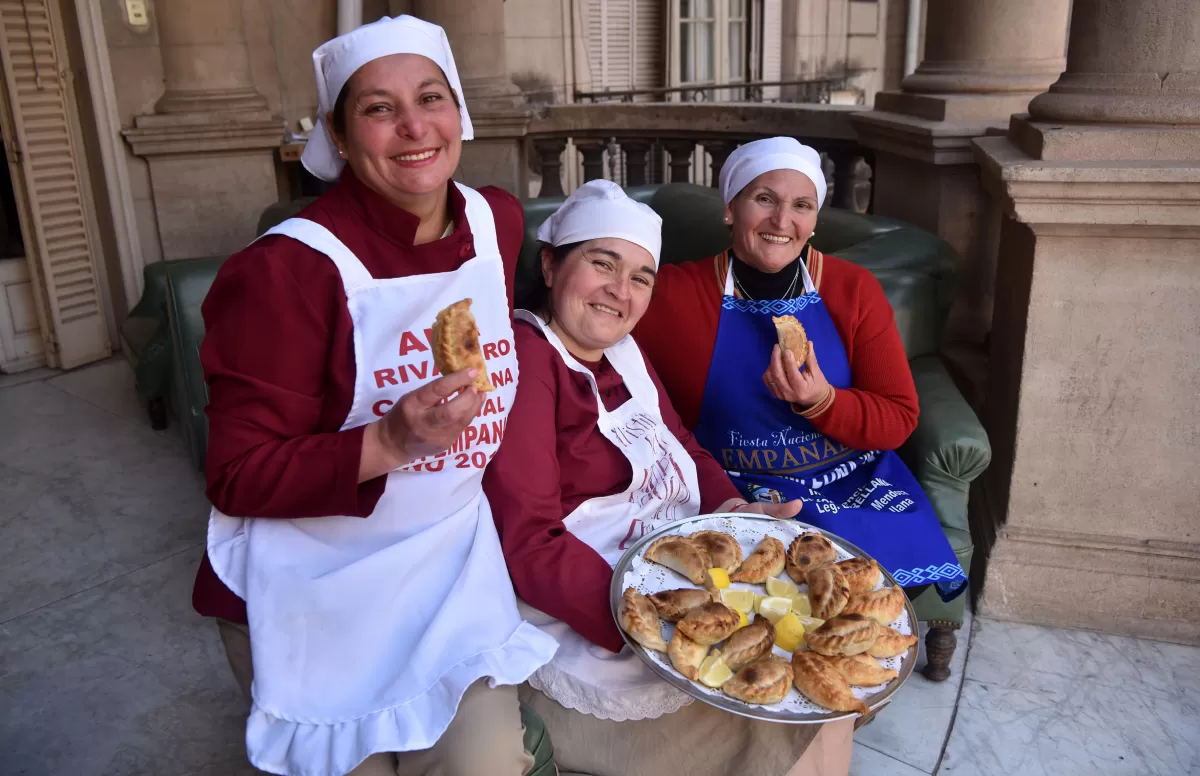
x: 689, y: 142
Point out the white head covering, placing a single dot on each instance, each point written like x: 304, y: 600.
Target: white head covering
x: 773, y: 153
x: 601, y: 208
x: 336, y: 60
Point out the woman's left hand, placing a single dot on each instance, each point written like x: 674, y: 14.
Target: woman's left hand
x: 787, y: 382
x: 784, y: 511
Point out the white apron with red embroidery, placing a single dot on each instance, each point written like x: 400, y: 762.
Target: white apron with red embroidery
x: 366, y: 632
x: 664, y: 488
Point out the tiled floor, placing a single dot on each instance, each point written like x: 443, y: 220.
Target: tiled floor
x: 106, y: 671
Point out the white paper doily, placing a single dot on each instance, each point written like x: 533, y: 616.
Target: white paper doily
x: 647, y: 578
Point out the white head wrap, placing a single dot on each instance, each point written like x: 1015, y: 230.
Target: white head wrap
x: 336, y: 60
x: 773, y: 153
x: 601, y: 208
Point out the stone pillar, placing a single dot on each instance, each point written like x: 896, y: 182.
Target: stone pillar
x: 984, y: 60
x: 211, y: 141
x: 1090, y: 502
x: 476, y: 31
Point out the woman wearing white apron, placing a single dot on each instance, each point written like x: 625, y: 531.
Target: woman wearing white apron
x: 351, y: 550
x: 595, y: 457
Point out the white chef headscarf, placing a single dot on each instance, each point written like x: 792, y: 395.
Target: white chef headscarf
x: 773, y: 153
x: 336, y: 60
x: 601, y: 208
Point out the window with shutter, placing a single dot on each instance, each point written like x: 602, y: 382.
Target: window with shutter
x: 41, y: 128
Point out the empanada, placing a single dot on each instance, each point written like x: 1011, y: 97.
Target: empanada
x: 883, y: 605
x: 709, y: 623
x: 766, y: 680
x: 846, y: 634
x: 791, y: 336
x: 455, y: 343
x: 822, y: 684
x: 686, y: 655
x: 765, y: 562
x: 638, y: 618
x: 749, y: 644
x: 806, y: 552
x: 861, y: 670
x: 890, y: 643
x: 679, y: 554
x: 862, y: 574
x: 827, y: 591
x: 672, y: 605
x: 723, y: 550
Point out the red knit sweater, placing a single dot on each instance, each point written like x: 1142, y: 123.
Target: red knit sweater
x: 679, y: 332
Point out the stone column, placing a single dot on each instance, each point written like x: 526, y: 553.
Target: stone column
x: 211, y: 141
x: 1090, y: 502
x: 984, y: 60
x: 477, y: 35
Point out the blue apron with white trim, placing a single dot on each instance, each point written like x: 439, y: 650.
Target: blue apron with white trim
x: 774, y: 454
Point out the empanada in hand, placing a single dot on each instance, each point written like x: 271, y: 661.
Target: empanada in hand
x: 724, y: 552
x: 791, y: 336
x: 827, y: 591
x: 686, y: 655
x: 766, y: 680
x: 883, y: 605
x: 709, y: 623
x: 862, y: 574
x: 806, y: 552
x: 672, y: 605
x: 679, y: 554
x: 890, y: 643
x: 749, y: 644
x: 861, y: 670
x: 765, y: 562
x: 638, y: 618
x: 455, y: 343
x: 846, y: 634
x: 822, y: 684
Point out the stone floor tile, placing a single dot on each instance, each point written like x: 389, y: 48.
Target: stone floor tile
x: 122, y: 679
x: 108, y: 385
x: 868, y: 762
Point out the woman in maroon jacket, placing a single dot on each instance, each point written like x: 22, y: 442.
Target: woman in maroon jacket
x: 594, y: 457
x: 353, y: 563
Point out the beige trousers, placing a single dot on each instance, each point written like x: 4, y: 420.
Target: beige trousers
x: 485, y: 737
x: 697, y: 740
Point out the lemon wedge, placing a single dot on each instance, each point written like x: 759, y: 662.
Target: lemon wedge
x: 743, y: 620
x: 810, y: 623
x: 714, y: 672
x: 789, y: 632
x: 719, y: 578
x: 742, y: 600
x: 801, y: 604
x: 774, y: 607
x: 781, y: 587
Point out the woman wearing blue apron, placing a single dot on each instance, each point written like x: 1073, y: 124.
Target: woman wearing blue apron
x: 823, y: 431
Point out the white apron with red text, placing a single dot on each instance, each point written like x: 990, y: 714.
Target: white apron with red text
x: 664, y: 488
x: 365, y: 633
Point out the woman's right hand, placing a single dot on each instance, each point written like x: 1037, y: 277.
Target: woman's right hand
x: 421, y: 423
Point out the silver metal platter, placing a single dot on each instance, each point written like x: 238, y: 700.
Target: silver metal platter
x: 724, y: 702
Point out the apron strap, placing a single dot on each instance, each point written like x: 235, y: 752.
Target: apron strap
x: 809, y: 286
x: 354, y: 274
x: 481, y: 221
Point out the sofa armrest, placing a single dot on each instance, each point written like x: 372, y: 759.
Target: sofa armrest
x: 949, y: 447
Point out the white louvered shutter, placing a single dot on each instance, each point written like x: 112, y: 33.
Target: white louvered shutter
x: 772, y: 43
x: 649, y: 45
x: 610, y: 36
x: 50, y: 180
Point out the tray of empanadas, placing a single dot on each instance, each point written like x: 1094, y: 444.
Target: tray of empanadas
x: 772, y: 619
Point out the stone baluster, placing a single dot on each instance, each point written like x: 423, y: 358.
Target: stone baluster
x: 549, y: 151
x: 718, y: 152
x: 592, y: 151
x: 635, y: 160
x: 680, y: 150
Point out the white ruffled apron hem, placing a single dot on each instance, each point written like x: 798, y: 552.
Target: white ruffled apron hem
x: 297, y: 748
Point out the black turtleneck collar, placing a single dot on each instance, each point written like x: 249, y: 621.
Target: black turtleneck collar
x: 769, y: 285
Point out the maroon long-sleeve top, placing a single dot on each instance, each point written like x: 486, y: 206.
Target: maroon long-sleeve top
x: 278, y: 357
x: 553, y: 459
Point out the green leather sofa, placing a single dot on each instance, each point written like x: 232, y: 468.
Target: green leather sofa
x: 948, y: 450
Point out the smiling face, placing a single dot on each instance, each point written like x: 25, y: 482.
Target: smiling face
x: 403, y: 132
x: 598, y: 293
x: 773, y: 218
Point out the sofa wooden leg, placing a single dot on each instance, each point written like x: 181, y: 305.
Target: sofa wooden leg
x: 939, y: 649
x: 157, y: 409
